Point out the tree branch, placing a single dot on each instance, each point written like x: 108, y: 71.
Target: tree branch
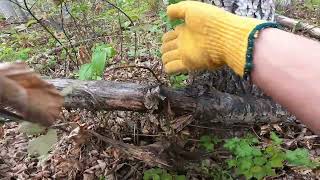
x: 210, y: 107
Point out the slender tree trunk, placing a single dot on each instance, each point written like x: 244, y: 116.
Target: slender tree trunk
x: 12, y: 11
x: 260, y: 9
x: 7, y: 9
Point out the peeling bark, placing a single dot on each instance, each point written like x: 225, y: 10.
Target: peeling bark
x: 209, y: 106
x: 260, y: 9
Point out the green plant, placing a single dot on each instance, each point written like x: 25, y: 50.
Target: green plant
x: 23, y: 54
x: 300, y: 157
x: 253, y: 161
x: 161, y: 174
x: 10, y: 54
x: 170, y: 24
x: 102, y: 53
x: 178, y: 81
x: 312, y: 4
x: 208, y: 142
x: 214, y: 171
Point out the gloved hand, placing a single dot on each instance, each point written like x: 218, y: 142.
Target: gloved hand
x: 209, y: 38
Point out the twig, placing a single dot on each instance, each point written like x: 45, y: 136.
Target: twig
x: 131, y: 21
x: 121, y: 39
x: 131, y: 24
x: 72, y: 17
x: 43, y: 26
x: 140, y: 67
x: 18, y: 5
x: 66, y: 34
x: 132, y: 150
x: 33, y: 4
x: 254, y: 131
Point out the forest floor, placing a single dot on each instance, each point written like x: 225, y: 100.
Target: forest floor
x: 78, y: 155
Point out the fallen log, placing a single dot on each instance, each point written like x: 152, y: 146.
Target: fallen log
x: 312, y: 30
x: 213, y: 106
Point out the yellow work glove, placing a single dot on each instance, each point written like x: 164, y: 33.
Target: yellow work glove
x: 209, y: 38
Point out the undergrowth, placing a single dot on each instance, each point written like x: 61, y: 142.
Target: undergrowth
x: 250, y: 159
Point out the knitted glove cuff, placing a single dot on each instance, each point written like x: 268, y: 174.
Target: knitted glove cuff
x: 230, y: 38
x: 251, y: 40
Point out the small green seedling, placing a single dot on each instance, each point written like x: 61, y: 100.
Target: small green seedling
x: 100, y: 58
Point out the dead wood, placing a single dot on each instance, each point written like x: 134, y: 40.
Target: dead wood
x: 213, y: 106
x: 312, y: 30
x: 148, y: 154
x: 24, y: 91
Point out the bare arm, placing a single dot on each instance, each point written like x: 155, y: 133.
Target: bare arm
x: 287, y: 68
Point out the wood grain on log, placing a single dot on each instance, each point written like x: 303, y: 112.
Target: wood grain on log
x: 213, y: 106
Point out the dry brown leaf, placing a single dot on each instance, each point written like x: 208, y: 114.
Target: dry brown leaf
x: 83, y: 55
x: 24, y: 90
x: 1, y: 131
x: 79, y: 135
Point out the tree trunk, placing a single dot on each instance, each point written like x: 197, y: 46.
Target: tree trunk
x: 260, y: 9
x: 11, y: 11
x: 7, y: 10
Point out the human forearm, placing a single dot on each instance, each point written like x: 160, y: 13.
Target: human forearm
x: 287, y: 68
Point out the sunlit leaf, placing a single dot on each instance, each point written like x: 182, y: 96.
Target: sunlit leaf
x: 85, y: 72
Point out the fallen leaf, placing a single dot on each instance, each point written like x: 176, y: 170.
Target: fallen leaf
x: 43, y: 144
x: 35, y: 99
x: 31, y: 128
x: 79, y: 135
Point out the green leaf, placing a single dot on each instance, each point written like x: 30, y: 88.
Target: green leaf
x: 243, y: 149
x: 272, y: 150
x: 101, y: 55
x: 177, y: 81
x: 231, y: 144
x: 251, y: 139
x: 259, y: 161
x: 244, y: 164
x: 208, y: 142
x: 31, y: 128
x: 231, y: 163
x: 247, y: 174
x: 180, y: 177
x: 43, y: 144
x: 256, y: 152
x: 299, y: 157
x: 174, y: 1
x: 99, y: 58
x: 175, y: 23
x: 24, y: 54
x: 277, y: 160
x: 275, y: 138
x: 85, y: 72
x: 258, y: 172
x: 166, y: 176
